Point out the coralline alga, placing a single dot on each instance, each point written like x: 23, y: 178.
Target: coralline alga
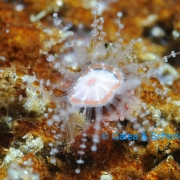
x: 103, y: 87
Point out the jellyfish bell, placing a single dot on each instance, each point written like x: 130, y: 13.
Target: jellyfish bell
x: 96, y: 86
